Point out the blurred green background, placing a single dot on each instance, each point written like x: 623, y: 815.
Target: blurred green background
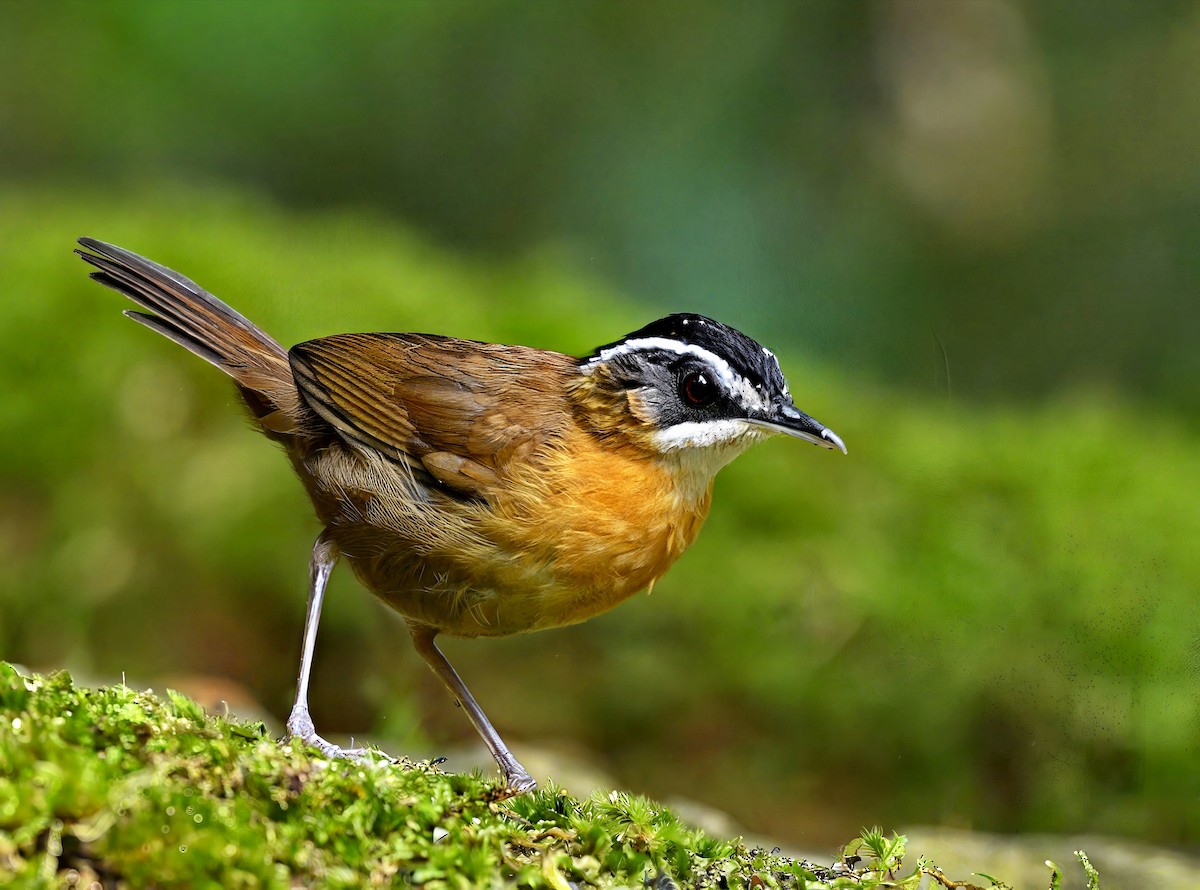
x: 969, y: 229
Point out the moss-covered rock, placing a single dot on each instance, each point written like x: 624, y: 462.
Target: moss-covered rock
x: 121, y: 787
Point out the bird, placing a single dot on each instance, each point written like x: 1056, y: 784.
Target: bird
x: 481, y: 489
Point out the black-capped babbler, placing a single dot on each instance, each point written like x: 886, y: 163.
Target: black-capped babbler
x: 481, y: 489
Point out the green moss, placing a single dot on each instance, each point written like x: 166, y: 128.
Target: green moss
x: 120, y: 786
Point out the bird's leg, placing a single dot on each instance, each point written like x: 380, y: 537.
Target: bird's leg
x: 516, y: 779
x: 300, y: 724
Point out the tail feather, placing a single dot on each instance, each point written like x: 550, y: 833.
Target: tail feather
x: 194, y: 312
x: 182, y: 311
x: 189, y: 329
x: 172, y: 332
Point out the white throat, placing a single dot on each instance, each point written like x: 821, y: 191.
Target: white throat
x: 696, y: 452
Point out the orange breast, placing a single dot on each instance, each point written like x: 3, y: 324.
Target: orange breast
x: 567, y: 532
x: 606, y: 522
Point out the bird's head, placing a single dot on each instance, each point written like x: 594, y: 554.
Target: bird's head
x: 693, y: 391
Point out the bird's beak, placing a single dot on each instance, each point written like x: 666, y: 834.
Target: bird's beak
x: 787, y: 418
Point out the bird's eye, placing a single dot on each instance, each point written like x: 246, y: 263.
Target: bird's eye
x: 697, y: 390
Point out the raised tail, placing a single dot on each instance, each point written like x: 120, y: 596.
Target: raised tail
x: 199, y: 322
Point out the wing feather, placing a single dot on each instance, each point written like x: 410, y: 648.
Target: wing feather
x: 459, y: 409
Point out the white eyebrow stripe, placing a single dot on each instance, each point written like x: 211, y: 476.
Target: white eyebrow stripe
x: 645, y: 344
x: 735, y: 383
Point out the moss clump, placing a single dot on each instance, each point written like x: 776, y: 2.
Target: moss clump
x: 122, y: 787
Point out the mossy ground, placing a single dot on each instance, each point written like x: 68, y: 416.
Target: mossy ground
x: 123, y: 788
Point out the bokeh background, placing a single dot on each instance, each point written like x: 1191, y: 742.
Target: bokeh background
x: 969, y: 229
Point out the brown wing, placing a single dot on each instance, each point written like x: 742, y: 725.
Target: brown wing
x: 457, y: 409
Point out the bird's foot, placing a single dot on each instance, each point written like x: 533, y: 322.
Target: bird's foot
x: 300, y: 727
x: 516, y: 781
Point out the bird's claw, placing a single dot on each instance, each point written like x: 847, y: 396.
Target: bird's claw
x: 300, y: 727
x: 516, y: 783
